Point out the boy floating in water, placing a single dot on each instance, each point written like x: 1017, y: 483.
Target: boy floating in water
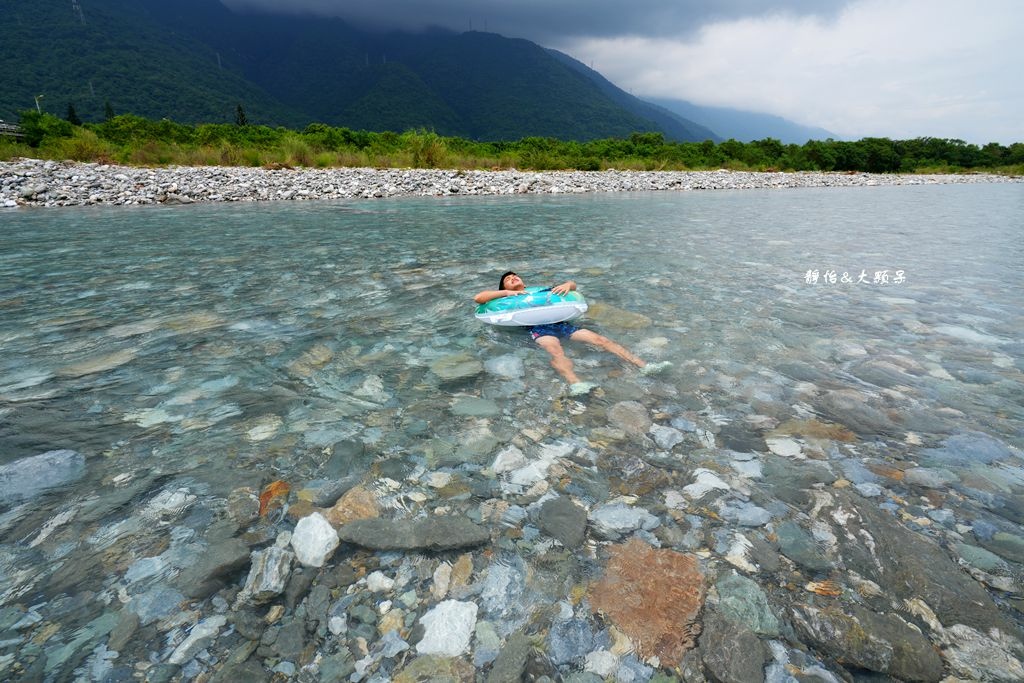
x: 548, y: 336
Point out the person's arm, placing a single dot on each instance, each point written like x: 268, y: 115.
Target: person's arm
x: 564, y: 288
x: 490, y: 294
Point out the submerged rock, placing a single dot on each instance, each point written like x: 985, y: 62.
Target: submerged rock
x: 268, y: 575
x: 616, y: 519
x: 563, y: 520
x: 742, y: 600
x: 731, y: 651
x: 800, y: 546
x: 201, y: 635
x: 653, y: 596
x: 456, y: 367
x: 432, y: 533
x: 221, y: 559
x: 26, y: 478
x: 448, y: 628
x: 630, y: 416
x: 314, y: 540
x: 867, y: 640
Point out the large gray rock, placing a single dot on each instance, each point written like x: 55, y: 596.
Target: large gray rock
x: 511, y: 661
x: 221, y: 559
x: 456, y: 367
x: 26, y: 478
x: 562, y: 519
x: 868, y: 640
x: 910, y: 565
x: 741, y: 600
x: 630, y: 416
x: 800, y: 546
x: 850, y: 408
x: 432, y: 533
x: 732, y: 652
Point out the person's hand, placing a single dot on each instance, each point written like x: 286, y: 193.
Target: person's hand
x: 563, y: 288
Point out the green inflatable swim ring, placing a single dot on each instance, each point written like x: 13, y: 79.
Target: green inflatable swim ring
x: 539, y: 306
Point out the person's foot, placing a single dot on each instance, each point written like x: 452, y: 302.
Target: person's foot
x: 581, y: 388
x: 654, y: 368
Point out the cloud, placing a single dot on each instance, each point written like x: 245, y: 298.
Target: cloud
x: 544, y: 20
x: 936, y: 68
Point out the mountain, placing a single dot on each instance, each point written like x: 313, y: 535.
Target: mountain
x: 745, y: 126
x: 112, y: 52
x: 196, y: 60
x: 674, y: 126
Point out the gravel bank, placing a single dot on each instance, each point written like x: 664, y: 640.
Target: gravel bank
x: 31, y: 182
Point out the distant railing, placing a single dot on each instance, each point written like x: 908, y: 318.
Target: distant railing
x: 11, y: 129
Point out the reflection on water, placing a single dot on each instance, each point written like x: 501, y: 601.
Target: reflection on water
x: 187, y: 352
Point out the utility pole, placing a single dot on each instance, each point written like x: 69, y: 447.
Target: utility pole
x: 38, y: 108
x: 78, y: 10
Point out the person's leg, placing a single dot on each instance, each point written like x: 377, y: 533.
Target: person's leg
x: 559, y: 361
x: 594, y: 339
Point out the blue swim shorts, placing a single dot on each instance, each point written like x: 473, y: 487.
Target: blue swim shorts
x: 560, y: 330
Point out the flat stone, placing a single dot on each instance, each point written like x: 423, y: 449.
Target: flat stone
x: 475, y: 407
x: 26, y: 478
x: 928, y: 477
x: 630, y: 416
x: 731, y: 651
x: 456, y: 367
x: 615, y: 519
x: 704, y: 482
x: 849, y: 408
x: 448, y: 628
x: 913, y: 566
x: 201, y: 635
x: 800, y: 546
x: 511, y: 661
x: 563, y: 520
x: 508, y: 366
x: 868, y: 640
x: 221, y: 559
x: 741, y: 600
x: 431, y: 533
x: 667, y: 438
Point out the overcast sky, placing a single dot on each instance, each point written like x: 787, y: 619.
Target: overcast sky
x: 892, y: 68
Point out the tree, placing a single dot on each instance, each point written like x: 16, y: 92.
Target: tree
x: 108, y: 111
x: 240, y: 119
x: 72, y: 116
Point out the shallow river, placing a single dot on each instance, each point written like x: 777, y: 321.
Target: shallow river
x: 181, y: 354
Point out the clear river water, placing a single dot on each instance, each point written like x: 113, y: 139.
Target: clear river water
x: 193, y: 351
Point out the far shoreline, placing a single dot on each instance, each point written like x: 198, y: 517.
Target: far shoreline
x: 41, y: 183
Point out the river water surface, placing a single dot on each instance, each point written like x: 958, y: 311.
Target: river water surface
x: 185, y: 353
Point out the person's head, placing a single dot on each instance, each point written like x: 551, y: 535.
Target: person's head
x: 507, y: 279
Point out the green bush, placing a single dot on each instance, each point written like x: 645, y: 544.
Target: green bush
x: 133, y: 139
x: 83, y: 145
x: 38, y: 128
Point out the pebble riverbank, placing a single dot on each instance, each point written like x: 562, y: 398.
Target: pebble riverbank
x: 32, y: 182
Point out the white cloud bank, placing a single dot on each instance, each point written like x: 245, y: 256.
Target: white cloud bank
x: 939, y: 68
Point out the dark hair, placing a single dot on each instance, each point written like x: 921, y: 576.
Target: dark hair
x: 501, y: 280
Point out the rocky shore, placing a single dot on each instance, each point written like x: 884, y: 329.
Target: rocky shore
x: 32, y: 182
